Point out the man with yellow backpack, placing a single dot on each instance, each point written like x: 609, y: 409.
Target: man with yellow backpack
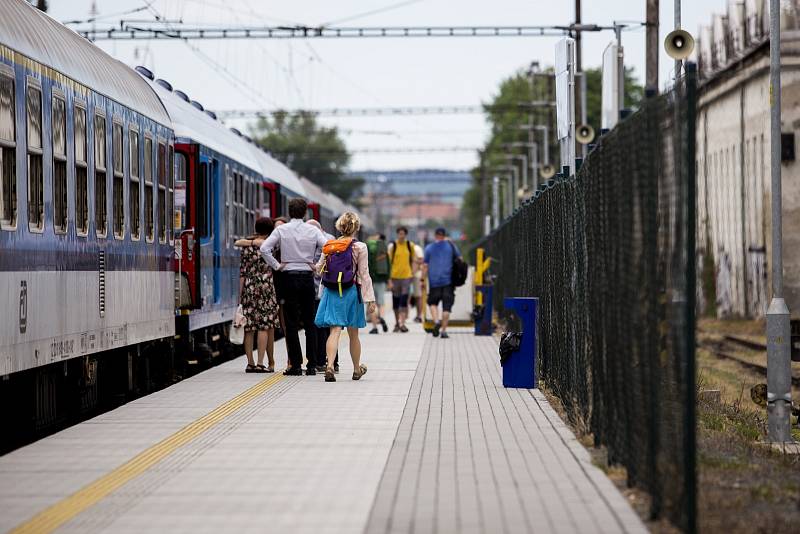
x: 403, y: 257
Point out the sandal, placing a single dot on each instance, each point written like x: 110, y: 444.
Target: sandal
x: 362, y: 370
x: 260, y: 368
x: 270, y: 369
x: 250, y: 368
x: 329, y: 376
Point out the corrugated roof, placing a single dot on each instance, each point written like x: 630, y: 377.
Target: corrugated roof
x: 32, y: 33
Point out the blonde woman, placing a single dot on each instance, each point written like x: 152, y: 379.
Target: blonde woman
x: 347, y: 285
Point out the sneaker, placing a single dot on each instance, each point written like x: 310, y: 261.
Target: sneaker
x: 383, y: 324
x: 436, y: 330
x: 293, y: 372
x: 444, y: 335
x: 417, y: 319
x: 311, y: 371
x: 374, y: 330
x: 396, y: 328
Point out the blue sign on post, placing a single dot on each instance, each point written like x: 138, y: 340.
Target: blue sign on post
x: 519, y: 370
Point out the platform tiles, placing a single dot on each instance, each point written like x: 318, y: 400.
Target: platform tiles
x: 427, y: 441
x: 473, y: 456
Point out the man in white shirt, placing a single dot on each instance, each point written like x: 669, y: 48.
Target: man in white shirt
x: 299, y: 243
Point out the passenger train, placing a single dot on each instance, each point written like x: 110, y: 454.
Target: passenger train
x: 120, y: 199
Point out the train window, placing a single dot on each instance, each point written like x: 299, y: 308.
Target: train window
x: 204, y: 214
x: 59, y: 130
x: 148, y: 189
x: 134, y: 199
x: 100, y: 186
x: 118, y: 159
x: 81, y: 176
x: 33, y: 106
x: 179, y: 199
x: 8, y: 154
x: 162, y: 192
x: 228, y: 223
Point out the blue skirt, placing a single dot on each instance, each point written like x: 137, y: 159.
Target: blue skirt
x: 344, y: 311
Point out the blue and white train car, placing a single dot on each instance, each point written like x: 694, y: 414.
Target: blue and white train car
x: 85, y: 193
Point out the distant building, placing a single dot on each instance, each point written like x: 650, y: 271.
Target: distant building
x: 733, y: 160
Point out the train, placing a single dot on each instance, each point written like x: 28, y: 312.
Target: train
x: 120, y: 200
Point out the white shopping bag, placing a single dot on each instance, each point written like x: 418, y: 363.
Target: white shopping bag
x: 236, y: 335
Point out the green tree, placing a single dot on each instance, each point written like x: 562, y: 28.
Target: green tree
x: 310, y: 149
x: 508, y: 119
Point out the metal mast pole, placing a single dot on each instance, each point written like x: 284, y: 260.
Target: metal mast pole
x: 651, y: 47
x: 495, y: 201
x: 779, y: 392
x: 677, y: 27
x: 580, y: 92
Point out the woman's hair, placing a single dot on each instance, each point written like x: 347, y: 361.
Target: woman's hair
x: 264, y: 226
x: 348, y: 224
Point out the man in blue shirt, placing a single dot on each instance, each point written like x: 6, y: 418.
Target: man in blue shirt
x: 438, y: 267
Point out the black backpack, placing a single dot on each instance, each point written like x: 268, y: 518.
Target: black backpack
x: 458, y: 275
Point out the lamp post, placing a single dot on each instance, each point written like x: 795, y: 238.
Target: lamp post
x: 516, y: 187
x: 510, y: 173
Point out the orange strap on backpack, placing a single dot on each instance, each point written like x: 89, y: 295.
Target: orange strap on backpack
x: 336, y: 245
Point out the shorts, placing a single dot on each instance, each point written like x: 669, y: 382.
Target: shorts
x: 445, y: 294
x: 400, y: 286
x: 380, y: 292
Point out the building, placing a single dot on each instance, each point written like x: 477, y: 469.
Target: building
x: 733, y: 160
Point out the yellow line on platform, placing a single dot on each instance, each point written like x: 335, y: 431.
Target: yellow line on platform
x: 56, y: 515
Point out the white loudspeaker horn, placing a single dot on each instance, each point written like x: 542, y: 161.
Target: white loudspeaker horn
x: 679, y: 44
x: 547, y: 171
x: 584, y: 134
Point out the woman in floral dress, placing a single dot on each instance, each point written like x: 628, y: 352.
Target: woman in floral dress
x: 258, y: 300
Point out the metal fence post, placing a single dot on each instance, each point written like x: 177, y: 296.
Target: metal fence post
x: 779, y: 393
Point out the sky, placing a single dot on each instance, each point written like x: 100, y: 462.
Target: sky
x: 336, y: 73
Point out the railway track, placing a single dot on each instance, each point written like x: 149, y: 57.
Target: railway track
x: 721, y: 348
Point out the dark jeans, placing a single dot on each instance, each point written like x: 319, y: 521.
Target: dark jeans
x: 322, y: 341
x: 299, y: 308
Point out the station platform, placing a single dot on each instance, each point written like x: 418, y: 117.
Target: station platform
x: 427, y: 441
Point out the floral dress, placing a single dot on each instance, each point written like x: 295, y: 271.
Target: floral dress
x: 259, y: 303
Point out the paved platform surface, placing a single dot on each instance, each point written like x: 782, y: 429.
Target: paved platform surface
x: 427, y: 441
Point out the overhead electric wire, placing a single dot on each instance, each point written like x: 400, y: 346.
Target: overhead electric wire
x: 368, y: 13
x: 384, y: 111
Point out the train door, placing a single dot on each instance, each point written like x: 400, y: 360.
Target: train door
x: 187, y: 203
x: 313, y: 211
x: 205, y: 229
x: 270, y: 205
x: 216, y: 210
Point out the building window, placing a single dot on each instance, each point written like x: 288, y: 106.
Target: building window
x: 118, y: 159
x: 8, y: 154
x: 33, y: 106
x: 100, y: 187
x: 162, y: 192
x: 133, y: 140
x: 148, y: 189
x: 81, y: 175
x: 59, y: 126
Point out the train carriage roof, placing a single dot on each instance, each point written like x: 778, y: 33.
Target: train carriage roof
x: 35, y: 35
x: 315, y: 193
x: 274, y: 170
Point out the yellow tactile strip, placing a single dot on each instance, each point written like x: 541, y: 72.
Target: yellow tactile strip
x: 56, y: 515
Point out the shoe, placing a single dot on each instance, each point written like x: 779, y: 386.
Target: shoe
x: 383, y: 324
x: 336, y: 368
x: 320, y: 368
x: 293, y: 372
x: 362, y: 370
x: 329, y: 376
x: 374, y: 330
x: 396, y: 328
x: 436, y: 328
x: 417, y: 319
x: 404, y: 329
x: 311, y: 371
x: 444, y: 335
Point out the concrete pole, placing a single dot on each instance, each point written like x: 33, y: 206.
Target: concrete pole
x: 677, y: 27
x: 779, y: 392
x: 534, y: 155
x: 496, y: 201
x: 651, y: 46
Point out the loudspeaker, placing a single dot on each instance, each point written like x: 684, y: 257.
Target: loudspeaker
x: 679, y: 44
x: 547, y: 171
x: 584, y: 134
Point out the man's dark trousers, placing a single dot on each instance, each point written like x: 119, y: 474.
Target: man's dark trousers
x: 299, y: 308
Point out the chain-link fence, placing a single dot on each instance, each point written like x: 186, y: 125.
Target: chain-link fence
x: 610, y: 254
